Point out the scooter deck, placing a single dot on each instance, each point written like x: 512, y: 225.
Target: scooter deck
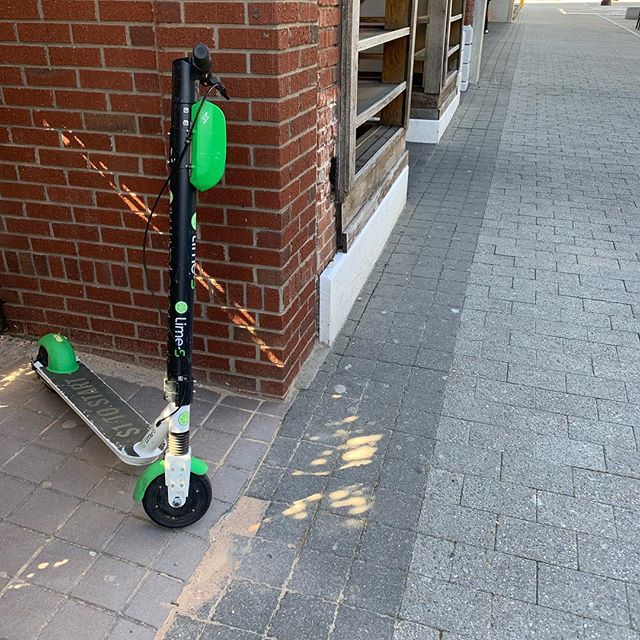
x: 107, y: 413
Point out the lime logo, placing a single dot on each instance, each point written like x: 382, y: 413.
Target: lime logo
x: 181, y: 306
x: 183, y: 419
x: 193, y: 221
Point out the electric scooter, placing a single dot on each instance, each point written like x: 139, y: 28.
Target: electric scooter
x: 174, y: 488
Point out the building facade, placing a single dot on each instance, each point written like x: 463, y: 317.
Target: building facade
x: 316, y: 172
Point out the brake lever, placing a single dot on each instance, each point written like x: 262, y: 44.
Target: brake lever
x: 212, y: 81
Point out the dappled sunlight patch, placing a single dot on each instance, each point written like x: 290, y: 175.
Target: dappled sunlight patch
x: 359, y: 450
x: 7, y: 380
x: 298, y: 510
x: 352, y: 499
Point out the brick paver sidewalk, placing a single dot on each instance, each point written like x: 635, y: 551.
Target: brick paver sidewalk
x: 79, y: 559
x: 488, y: 379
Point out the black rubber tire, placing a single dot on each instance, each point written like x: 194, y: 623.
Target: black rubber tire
x: 157, y: 507
x: 43, y: 356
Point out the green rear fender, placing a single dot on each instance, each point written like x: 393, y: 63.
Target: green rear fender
x: 61, y: 357
x: 157, y: 468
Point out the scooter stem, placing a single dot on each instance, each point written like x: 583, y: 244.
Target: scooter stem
x: 182, y: 237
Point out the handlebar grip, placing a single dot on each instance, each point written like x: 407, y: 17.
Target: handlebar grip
x: 201, y: 58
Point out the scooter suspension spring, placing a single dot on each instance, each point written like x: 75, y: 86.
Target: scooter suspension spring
x: 178, y: 443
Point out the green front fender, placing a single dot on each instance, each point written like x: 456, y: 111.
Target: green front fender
x: 157, y: 468
x: 61, y: 357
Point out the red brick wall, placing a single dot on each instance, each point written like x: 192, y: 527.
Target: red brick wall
x: 84, y: 88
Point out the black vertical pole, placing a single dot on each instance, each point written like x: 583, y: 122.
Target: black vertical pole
x: 182, y: 239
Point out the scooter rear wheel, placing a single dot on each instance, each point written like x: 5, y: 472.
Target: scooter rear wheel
x: 156, y: 502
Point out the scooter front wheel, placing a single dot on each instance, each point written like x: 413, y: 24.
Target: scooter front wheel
x: 156, y: 502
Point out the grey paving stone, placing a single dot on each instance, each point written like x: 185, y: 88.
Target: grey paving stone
x: 515, y: 620
x: 432, y: 557
x: 336, y: 534
x: 245, y: 454
x: 20, y: 618
x: 24, y: 424
x: 20, y: 545
x: 281, y: 451
x: 12, y: 492
x: 319, y: 574
x: 499, y: 497
x: 266, y: 562
x: 137, y: 540
x: 114, y: 490
x: 353, y: 623
x: 184, y: 628
x: 576, y: 514
x: 264, y: 483
x: 221, y: 632
x: 605, y: 433
x: 445, y: 486
x: 582, y: 594
x: 10, y: 446
x: 623, y: 462
x: 295, y: 485
x: 603, y: 487
x: 596, y: 387
x: 44, y: 510
x: 155, y: 599
x: 228, y: 482
x: 609, y: 558
x: 262, y: 427
x: 445, y: 606
x: 300, y: 616
x: 618, y: 412
x: 536, y: 376
x: 467, y: 459
x: 395, y: 508
x: 406, y: 630
x: 457, y: 524
x: 495, y: 572
x: 537, y: 542
x: 386, y: 545
x: 627, y: 524
x: 33, y: 463
x: 510, y: 439
x: 109, y: 583
x: 59, y: 566
x: 377, y: 589
x: 530, y: 470
x: 78, y: 620
x: 559, y: 450
x: 406, y: 477
x: 91, y: 525
x: 227, y: 419
x: 181, y: 555
x: 278, y: 525
x: 246, y: 606
x: 212, y: 445
x: 601, y: 631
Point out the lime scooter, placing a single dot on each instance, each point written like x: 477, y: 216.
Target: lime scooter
x: 174, y: 489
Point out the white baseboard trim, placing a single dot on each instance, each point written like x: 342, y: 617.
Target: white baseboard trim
x: 430, y: 131
x: 346, y: 274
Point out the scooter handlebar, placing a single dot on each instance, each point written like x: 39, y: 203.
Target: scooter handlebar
x: 201, y: 58
x: 202, y: 62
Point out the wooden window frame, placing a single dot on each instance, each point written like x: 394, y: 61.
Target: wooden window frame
x: 368, y: 164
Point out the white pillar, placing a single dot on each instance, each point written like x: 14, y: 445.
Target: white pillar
x: 479, y: 13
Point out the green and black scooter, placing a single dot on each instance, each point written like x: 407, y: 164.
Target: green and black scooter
x: 174, y: 489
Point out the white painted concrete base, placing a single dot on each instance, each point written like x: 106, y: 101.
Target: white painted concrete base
x: 344, y: 277
x: 430, y: 131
